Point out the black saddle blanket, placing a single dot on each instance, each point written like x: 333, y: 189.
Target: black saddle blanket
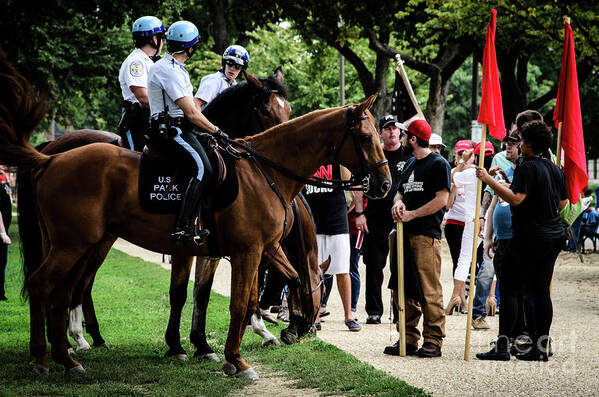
x: 162, y: 185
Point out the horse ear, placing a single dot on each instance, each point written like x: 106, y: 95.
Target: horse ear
x: 364, y: 106
x: 253, y: 81
x: 278, y: 74
x: 324, y: 266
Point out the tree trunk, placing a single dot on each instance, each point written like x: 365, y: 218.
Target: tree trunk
x: 437, y: 101
x: 513, y: 97
x: 221, y: 30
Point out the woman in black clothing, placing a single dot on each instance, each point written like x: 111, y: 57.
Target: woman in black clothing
x: 5, y: 215
x: 536, y: 195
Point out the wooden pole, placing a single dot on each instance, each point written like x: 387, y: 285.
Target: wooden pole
x: 401, y: 296
x: 479, y: 186
x: 406, y: 81
x: 558, y: 153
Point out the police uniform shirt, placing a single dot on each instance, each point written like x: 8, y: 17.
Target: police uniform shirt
x: 212, y: 85
x: 134, y: 72
x: 169, y: 75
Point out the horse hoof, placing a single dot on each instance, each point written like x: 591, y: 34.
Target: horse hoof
x: 39, y: 370
x: 248, y: 374
x: 269, y: 342
x: 182, y: 357
x: 103, y: 345
x: 229, y: 369
x: 84, y: 347
x: 71, y: 351
x: 181, y: 354
x: 77, y: 370
x: 208, y: 356
x: 288, y: 337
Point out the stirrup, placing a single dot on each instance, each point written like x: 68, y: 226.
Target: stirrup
x: 185, y: 235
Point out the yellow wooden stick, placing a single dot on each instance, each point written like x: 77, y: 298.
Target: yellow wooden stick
x: 481, y: 163
x: 401, y: 296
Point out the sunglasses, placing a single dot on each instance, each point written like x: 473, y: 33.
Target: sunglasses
x: 233, y: 64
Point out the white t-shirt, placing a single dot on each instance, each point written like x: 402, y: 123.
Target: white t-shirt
x: 169, y: 75
x: 134, y: 72
x: 457, y: 211
x: 468, y: 181
x: 211, y: 86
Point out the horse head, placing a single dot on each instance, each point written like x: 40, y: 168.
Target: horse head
x: 269, y: 100
x: 362, y: 152
x: 251, y: 106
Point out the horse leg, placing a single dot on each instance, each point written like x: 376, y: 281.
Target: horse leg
x: 205, y: 269
x: 181, y: 267
x: 53, y: 280
x: 91, y: 321
x: 243, y: 272
x: 257, y: 324
x: 37, y: 338
x: 76, y: 328
x: 94, y: 261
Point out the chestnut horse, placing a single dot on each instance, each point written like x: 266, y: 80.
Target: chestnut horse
x: 258, y: 104
x: 87, y: 192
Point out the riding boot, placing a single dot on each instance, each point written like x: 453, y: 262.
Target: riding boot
x: 190, y: 207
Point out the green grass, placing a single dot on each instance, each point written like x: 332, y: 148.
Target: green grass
x: 131, y: 298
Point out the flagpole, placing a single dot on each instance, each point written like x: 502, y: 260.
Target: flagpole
x: 479, y: 186
x: 406, y: 81
x: 401, y: 298
x: 558, y: 154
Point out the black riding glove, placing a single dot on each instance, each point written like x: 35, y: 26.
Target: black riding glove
x: 220, y: 134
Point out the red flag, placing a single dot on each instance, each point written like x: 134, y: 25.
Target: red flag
x: 567, y: 111
x: 491, y: 109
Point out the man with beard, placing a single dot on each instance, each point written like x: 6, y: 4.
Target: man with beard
x: 376, y: 223
x: 420, y: 203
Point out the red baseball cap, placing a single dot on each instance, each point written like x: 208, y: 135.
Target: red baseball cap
x: 489, y: 149
x: 462, y: 145
x: 420, y: 128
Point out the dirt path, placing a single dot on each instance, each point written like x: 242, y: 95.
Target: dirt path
x: 572, y: 370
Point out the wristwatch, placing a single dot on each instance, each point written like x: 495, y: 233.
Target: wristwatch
x: 461, y: 161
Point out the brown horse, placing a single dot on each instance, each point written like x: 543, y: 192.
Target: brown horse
x: 75, y: 216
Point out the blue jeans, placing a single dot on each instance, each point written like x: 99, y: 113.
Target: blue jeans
x: 484, y: 280
x: 354, y: 275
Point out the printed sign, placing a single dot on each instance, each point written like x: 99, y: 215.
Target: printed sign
x: 165, y: 189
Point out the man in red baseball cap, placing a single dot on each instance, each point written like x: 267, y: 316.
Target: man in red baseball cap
x: 420, y: 201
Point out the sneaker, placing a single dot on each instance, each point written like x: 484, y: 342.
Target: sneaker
x: 393, y: 350
x: 353, y: 325
x: 495, y: 355
x: 274, y: 309
x: 317, y: 326
x: 283, y: 314
x: 480, y: 323
x: 374, y: 319
x: 429, y: 350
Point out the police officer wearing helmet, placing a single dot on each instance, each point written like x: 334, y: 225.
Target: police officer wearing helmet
x: 234, y: 60
x: 171, y: 103
x: 147, y: 33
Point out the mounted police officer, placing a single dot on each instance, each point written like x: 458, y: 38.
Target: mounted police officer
x: 147, y: 33
x: 175, y: 118
x: 234, y: 60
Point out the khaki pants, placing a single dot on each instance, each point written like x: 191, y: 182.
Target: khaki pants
x: 427, y: 256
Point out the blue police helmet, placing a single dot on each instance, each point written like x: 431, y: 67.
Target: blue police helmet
x: 181, y: 36
x: 237, y: 54
x: 146, y: 27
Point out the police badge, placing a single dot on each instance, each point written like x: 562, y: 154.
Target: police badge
x: 136, y: 69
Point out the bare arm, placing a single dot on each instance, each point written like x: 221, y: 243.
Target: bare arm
x: 199, y: 103
x: 361, y: 223
x: 194, y: 115
x: 3, y: 236
x: 451, y: 197
x: 141, y: 94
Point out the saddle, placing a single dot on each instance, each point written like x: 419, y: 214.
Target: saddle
x: 163, y: 178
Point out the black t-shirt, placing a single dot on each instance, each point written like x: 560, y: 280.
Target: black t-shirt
x: 378, y: 212
x: 4, y: 199
x: 328, y: 206
x: 419, y: 183
x: 544, y: 185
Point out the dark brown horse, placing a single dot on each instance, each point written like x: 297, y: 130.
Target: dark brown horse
x: 74, y: 217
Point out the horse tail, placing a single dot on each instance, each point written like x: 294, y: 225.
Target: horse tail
x: 29, y: 229
x: 21, y: 110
